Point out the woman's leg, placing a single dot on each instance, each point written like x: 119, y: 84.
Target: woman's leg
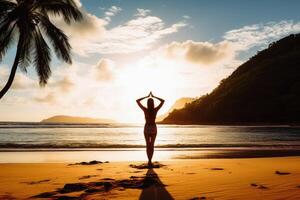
x: 147, y: 139
x: 151, y: 146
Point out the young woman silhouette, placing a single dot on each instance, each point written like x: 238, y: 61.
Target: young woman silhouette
x: 150, y: 129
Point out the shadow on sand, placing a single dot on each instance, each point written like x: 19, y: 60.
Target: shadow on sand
x: 156, y: 190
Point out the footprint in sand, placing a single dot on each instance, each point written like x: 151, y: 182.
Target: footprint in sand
x: 198, y: 198
x: 262, y: 187
x: 216, y: 168
x: 107, y: 179
x: 282, y: 173
x: 190, y: 173
x: 87, y: 176
x: 36, y: 182
x: 259, y: 186
x: 93, y: 162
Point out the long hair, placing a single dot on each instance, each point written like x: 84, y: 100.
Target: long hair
x: 150, y: 104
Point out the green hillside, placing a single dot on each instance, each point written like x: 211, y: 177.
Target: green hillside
x: 265, y: 89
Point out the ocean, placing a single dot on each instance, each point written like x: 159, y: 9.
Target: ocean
x: 37, y: 137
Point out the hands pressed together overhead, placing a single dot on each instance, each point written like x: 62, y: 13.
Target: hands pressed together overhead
x: 149, y: 96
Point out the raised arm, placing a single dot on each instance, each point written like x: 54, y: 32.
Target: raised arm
x: 162, y: 101
x: 138, y: 101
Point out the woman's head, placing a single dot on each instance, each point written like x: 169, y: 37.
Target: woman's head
x: 150, y: 103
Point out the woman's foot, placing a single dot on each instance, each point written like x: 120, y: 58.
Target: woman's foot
x: 150, y: 164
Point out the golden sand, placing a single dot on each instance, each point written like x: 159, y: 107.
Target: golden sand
x: 253, y: 178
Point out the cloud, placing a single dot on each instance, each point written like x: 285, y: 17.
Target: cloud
x: 186, y: 17
x: 234, y: 41
x: 48, y: 98
x: 21, y: 81
x: 112, y: 11
x: 261, y: 34
x: 64, y: 84
x: 86, y: 28
x: 3, y: 72
x: 91, y: 35
x: 205, y: 53
x: 135, y: 35
x: 82, y: 33
x: 104, y: 70
x: 89, y: 102
x: 142, y: 12
x: 77, y: 85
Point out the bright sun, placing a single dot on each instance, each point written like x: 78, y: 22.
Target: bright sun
x: 138, y: 80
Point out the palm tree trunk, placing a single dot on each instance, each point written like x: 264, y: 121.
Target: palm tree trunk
x: 12, y: 72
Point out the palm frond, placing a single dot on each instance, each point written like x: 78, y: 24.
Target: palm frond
x: 65, y: 8
x: 25, y: 52
x: 6, y: 22
x: 27, y: 32
x: 57, y: 38
x: 6, y: 6
x: 42, y: 58
x: 28, y: 18
x: 6, y: 38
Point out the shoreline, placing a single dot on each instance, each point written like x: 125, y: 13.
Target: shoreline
x: 138, y: 154
x: 23, y: 124
x: 280, y: 124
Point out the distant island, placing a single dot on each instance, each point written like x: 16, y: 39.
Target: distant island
x: 72, y: 119
x: 263, y: 90
x: 179, y: 103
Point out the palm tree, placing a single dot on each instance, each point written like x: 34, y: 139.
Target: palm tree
x: 28, y: 21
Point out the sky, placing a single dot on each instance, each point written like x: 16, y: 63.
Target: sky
x: 123, y: 49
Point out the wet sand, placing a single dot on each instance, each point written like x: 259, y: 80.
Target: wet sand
x: 243, y: 178
x: 138, y: 154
